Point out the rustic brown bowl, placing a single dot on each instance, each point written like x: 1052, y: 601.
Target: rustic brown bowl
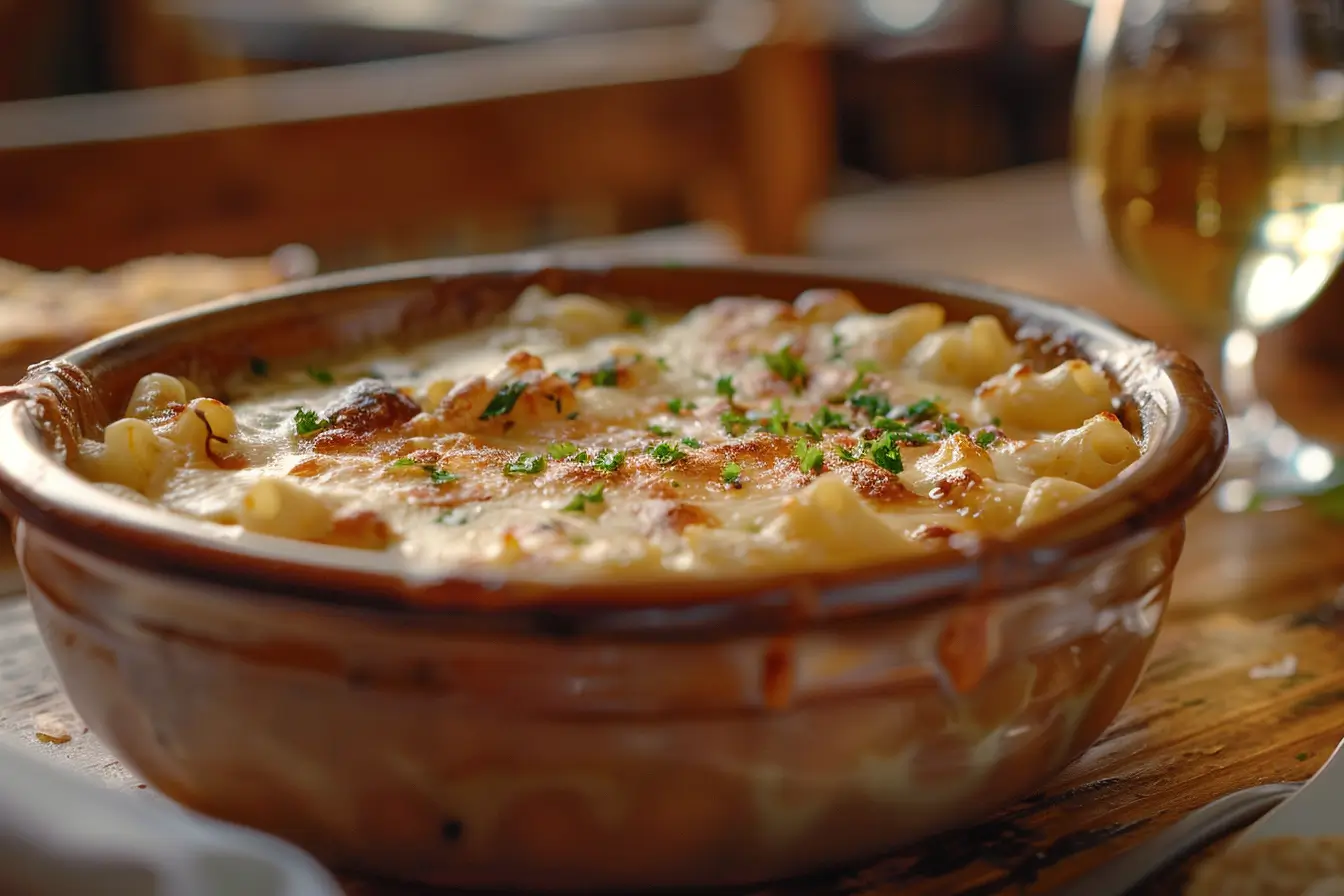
x: 501, y: 734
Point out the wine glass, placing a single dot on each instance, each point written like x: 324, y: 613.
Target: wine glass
x: 1209, y: 156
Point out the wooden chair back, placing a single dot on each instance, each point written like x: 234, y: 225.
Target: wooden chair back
x: 481, y: 149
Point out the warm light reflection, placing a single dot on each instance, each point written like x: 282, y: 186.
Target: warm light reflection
x: 903, y: 15
x: 499, y: 18
x: 1314, y: 464
x: 1298, y: 253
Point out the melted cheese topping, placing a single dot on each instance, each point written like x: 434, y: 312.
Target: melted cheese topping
x: 577, y: 439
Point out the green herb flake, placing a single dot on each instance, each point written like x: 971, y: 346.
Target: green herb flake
x: 322, y: 376
x: 677, y: 405
x: 661, y: 362
x: 829, y: 419
x: 873, y: 404
x: 787, y: 366
x: 1303, y: 757
x: 609, y: 460
x: 661, y: 431
x: 606, y: 374
x: 952, y: 427
x: 579, y: 503
x: 733, y: 423
x: 572, y: 415
x: 690, y: 442
x: 732, y: 473
x: 562, y: 450
x: 837, y: 347
x: 861, y: 371
x: 402, y: 462
x: 924, y: 409
x: 886, y: 453
x: 809, y: 456
x: 778, y: 422
x: 504, y: 400
x: 525, y: 465
x: 439, y: 476
x: 455, y: 517
x: 637, y: 319
x: 855, y: 454
x: 665, y: 453
x: 307, y: 422
x: 724, y: 386
x: 902, y: 431
x: 986, y: 438
x: 995, y: 421
x: 812, y: 430
x: 259, y: 367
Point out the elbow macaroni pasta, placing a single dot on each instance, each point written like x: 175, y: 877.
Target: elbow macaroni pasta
x: 580, y: 438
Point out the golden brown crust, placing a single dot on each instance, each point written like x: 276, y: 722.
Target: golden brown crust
x: 750, y: 434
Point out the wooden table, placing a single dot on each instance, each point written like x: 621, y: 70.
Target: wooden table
x: 1250, y: 590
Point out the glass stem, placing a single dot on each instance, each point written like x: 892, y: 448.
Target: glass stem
x: 1239, y: 394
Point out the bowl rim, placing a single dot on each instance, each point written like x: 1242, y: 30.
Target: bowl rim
x: 1176, y: 469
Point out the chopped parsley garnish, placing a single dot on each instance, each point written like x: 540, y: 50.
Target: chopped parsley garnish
x: 724, y: 386
x: 259, y: 366
x: 322, y: 376
x: 439, y: 476
x: 690, y: 442
x: 809, y: 456
x: 609, y: 460
x: 665, y: 453
x: 661, y: 431
x: 986, y: 438
x: 924, y: 409
x: 307, y: 422
x: 402, y: 462
x: 455, y: 517
x: 734, y: 423
x: 902, y: 431
x: 886, y: 453
x: 995, y: 421
x: 952, y: 427
x: 732, y: 473
x: 661, y: 362
x: 525, y: 465
x: 605, y: 374
x: 562, y: 450
x: 857, y: 453
x: 837, y: 347
x: 829, y: 419
x: 504, y: 400
x: 861, y: 371
x: 676, y: 406
x: 636, y: 318
x: 787, y: 366
x: 778, y: 422
x: 874, y: 404
x: 580, y: 502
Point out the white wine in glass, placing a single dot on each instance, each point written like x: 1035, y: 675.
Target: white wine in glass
x: 1209, y: 143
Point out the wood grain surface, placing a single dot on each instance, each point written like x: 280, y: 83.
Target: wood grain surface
x: 1250, y: 591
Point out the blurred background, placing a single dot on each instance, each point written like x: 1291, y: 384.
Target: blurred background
x: 377, y: 130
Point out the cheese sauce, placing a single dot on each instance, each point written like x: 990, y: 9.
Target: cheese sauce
x: 576, y: 438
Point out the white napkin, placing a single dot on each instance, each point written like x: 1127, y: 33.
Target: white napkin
x: 62, y: 834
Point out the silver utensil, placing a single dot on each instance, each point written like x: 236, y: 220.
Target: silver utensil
x: 1197, y: 830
